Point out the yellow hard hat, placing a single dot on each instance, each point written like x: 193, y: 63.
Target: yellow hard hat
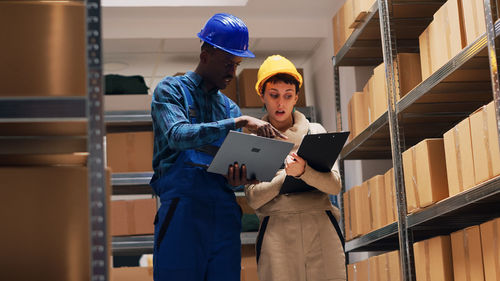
x: 273, y: 65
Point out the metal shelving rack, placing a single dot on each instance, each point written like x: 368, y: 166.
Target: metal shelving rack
x: 138, y: 183
x: 99, y: 261
x: 406, y: 122
x: 26, y: 110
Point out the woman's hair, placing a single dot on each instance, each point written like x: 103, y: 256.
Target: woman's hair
x: 282, y: 77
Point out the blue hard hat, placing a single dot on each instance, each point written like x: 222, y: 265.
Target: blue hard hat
x: 227, y: 33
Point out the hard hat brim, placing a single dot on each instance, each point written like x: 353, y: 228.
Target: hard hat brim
x: 238, y: 53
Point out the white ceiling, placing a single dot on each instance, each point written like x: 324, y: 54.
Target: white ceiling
x: 148, y: 37
x: 292, y: 25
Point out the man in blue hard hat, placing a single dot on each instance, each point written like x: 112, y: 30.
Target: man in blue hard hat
x: 197, y: 228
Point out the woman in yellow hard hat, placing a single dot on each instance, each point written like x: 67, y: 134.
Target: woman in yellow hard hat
x: 299, y: 238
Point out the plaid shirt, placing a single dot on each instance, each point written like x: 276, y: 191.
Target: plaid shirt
x: 173, y: 131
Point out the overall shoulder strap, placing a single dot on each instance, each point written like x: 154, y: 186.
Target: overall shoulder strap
x: 188, y: 102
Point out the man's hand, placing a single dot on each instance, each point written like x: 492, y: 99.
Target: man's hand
x: 295, y: 165
x: 238, y: 176
x: 258, y: 127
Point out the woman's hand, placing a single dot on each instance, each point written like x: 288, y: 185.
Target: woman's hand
x: 294, y: 165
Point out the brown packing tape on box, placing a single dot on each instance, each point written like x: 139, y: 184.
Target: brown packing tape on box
x: 391, y: 200
x: 347, y: 215
x: 373, y: 268
x: 491, y: 249
x: 386, y: 273
x: 377, y: 201
x: 433, y: 259
x: 450, y: 28
x: 459, y: 157
x: 485, y: 143
x: 431, y: 170
x: 494, y: 146
x: 425, y: 52
x: 394, y: 266
x: 467, y: 254
x: 366, y: 208
x: 358, y: 204
x: 473, y: 19
x: 410, y: 180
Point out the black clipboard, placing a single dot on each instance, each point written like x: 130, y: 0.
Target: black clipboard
x: 320, y: 151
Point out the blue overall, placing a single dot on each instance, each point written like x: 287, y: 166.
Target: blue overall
x: 197, y: 228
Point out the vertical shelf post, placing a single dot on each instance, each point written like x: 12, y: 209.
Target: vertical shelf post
x: 95, y: 142
x: 340, y: 199
x: 389, y: 50
x: 490, y: 12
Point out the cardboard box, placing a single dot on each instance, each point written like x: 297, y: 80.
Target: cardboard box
x: 127, y: 102
x: 351, y: 272
x: 132, y: 274
x: 248, y: 97
x: 378, y: 92
x: 410, y: 178
x: 388, y: 267
x: 491, y: 249
x: 231, y: 90
x: 347, y: 215
x: 394, y: 265
x: 130, y: 152
x: 467, y: 254
x: 459, y: 159
x: 442, y: 39
x: 433, y: 260
x: 62, y: 69
x: 360, y: 10
x: 45, y: 223
x: 357, y: 114
x: 378, y: 201
x: 410, y: 72
x: 358, y: 196
x: 132, y: 217
x: 363, y: 209
x: 425, y: 174
x: 390, y: 197
x: 473, y: 19
x: 359, y: 271
x: 374, y: 268
x: 485, y: 148
x: 248, y: 263
x: 341, y: 22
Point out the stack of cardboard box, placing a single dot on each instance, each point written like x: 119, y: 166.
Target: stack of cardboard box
x: 456, y: 24
x: 472, y: 150
x: 130, y: 151
x: 367, y: 106
x: 369, y: 206
x: 384, y: 267
x: 468, y: 254
x: 348, y: 17
x: 425, y: 177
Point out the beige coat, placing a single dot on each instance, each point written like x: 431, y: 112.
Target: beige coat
x: 300, y: 242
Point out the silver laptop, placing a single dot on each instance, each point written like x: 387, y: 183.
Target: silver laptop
x: 262, y: 156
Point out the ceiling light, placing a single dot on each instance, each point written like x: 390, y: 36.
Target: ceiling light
x: 172, y: 3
